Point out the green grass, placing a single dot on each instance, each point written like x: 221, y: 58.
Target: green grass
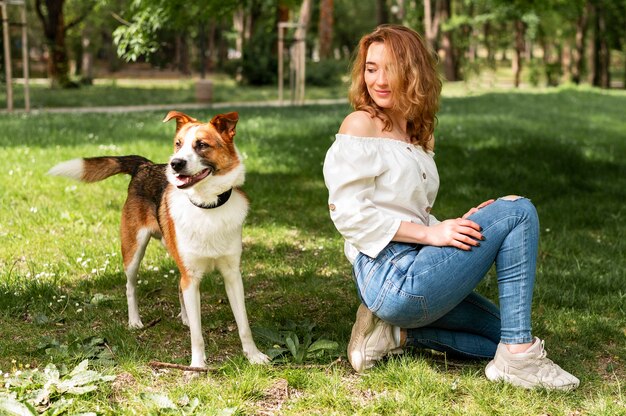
x: 116, y: 92
x: 61, y: 280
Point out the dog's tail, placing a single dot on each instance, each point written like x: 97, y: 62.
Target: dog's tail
x: 95, y: 169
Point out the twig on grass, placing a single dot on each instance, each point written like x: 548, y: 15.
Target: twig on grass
x: 152, y: 323
x: 159, y: 364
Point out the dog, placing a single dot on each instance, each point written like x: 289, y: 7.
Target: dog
x: 195, y: 205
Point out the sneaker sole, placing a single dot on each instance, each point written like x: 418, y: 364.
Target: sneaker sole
x: 493, y: 374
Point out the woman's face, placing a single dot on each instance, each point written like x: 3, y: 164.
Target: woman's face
x: 376, y: 75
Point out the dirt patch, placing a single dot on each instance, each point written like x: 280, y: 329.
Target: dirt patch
x: 123, y: 383
x: 275, y: 397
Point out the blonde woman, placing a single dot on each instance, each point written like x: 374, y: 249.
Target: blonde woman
x: 416, y: 275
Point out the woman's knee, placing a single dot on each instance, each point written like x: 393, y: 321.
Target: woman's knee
x: 522, y: 203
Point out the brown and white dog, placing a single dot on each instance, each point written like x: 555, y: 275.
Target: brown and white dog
x: 195, y: 205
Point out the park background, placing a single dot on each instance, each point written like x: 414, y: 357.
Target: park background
x: 533, y: 104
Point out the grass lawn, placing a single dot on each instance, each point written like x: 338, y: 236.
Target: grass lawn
x: 114, y: 92
x: 62, y: 294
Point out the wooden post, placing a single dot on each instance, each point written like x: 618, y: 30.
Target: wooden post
x: 281, y: 47
x: 7, y: 55
x: 25, y: 71
x: 296, y: 73
x: 7, y: 52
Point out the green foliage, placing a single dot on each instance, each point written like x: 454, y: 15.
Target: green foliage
x: 32, y: 392
x: 93, y: 348
x: 286, y: 340
x: 259, y: 64
x: 325, y: 73
x: 137, y: 39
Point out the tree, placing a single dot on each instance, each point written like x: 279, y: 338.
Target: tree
x: 52, y: 17
x: 450, y: 62
x: 579, y: 43
x: 144, y: 21
x: 608, y: 25
x: 325, y: 29
x: 431, y: 23
x: 382, y: 13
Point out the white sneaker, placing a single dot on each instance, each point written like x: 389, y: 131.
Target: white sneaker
x: 371, y: 340
x: 529, y: 369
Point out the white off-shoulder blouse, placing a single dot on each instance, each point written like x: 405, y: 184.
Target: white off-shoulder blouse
x: 374, y: 184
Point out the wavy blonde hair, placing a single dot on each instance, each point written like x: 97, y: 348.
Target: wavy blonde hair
x: 413, y: 78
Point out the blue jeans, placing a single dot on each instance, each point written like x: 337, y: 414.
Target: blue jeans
x: 430, y: 290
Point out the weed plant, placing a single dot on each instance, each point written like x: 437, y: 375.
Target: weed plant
x: 62, y: 295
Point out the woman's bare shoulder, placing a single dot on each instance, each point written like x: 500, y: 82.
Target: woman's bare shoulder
x: 360, y: 124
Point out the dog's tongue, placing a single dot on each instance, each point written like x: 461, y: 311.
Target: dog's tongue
x: 183, y: 181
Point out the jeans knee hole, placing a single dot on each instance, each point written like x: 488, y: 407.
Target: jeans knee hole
x: 511, y: 197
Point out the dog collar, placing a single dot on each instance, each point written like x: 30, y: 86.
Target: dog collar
x: 221, y: 200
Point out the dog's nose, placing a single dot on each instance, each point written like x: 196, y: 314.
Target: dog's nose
x: 178, y: 164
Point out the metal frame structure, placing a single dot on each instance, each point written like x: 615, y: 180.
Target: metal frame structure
x: 7, y: 51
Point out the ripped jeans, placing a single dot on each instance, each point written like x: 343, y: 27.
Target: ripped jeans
x: 429, y: 290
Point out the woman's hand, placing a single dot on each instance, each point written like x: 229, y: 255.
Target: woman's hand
x: 475, y: 209
x: 460, y: 233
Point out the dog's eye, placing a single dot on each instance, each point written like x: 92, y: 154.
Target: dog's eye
x: 200, y: 145
x: 178, y: 144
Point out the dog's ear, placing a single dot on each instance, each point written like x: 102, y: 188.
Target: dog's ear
x: 225, y: 124
x: 181, y: 118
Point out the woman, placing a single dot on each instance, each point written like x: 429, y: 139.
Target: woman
x: 415, y: 275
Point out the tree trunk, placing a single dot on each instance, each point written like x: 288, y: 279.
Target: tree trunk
x: 579, y: 44
x: 87, y: 58
x: 55, y: 28
x: 325, y: 29
x: 431, y: 23
x: 601, y: 54
x: 382, y: 13
x: 298, y: 51
x: 520, y: 28
x: 238, y: 25
x: 53, y: 22
x: 491, y: 53
x: 450, y: 62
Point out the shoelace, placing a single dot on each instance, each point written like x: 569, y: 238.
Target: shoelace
x: 547, y: 368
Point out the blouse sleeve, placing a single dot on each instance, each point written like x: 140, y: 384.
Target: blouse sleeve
x: 432, y: 220
x: 350, y: 172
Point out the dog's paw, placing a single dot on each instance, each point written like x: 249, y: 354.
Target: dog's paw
x: 258, y: 357
x: 135, y: 324
x: 189, y: 376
